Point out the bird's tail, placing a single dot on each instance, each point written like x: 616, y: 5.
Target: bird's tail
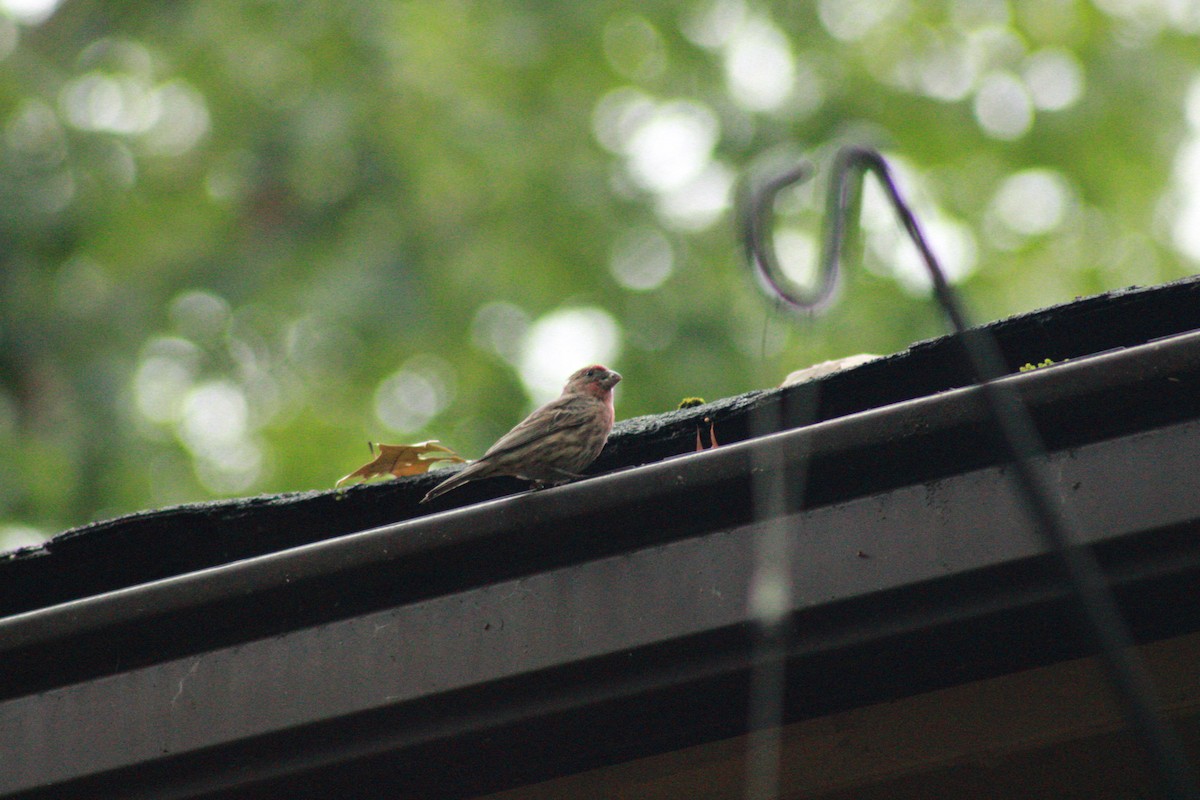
x: 453, y: 482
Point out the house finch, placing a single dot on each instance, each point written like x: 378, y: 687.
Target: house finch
x: 553, y: 444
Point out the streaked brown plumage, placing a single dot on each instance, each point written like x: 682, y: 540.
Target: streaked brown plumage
x: 553, y: 444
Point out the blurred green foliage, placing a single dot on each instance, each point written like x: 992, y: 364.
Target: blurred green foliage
x: 242, y: 237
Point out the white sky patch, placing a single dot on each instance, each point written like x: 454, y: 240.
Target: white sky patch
x: 1185, y: 228
x: 1054, y: 78
x: 673, y: 146
x: 668, y: 151
x: 1032, y: 202
x: 759, y: 66
x: 16, y: 536
x: 699, y: 203
x: 171, y: 117
x: 215, y: 414
x: 563, y: 341
x: 215, y: 428
x: 1003, y: 107
x: 99, y: 101
x: 1191, y: 104
x: 30, y: 12
x: 166, y: 372
x: 797, y: 252
x: 1185, y: 233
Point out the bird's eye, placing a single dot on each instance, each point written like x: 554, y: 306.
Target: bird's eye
x: 591, y: 373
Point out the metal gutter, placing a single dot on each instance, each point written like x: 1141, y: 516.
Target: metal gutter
x: 869, y: 551
x: 626, y: 593
x: 550, y: 518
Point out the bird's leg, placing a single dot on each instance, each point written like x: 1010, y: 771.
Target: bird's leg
x: 562, y: 473
x: 566, y: 476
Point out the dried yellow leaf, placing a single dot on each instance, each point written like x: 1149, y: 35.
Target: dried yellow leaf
x: 403, y: 459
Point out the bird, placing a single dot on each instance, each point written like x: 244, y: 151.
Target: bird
x: 555, y: 443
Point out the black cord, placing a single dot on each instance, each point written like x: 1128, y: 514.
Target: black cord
x: 1022, y: 444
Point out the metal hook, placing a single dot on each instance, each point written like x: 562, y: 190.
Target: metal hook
x: 756, y: 221
x: 849, y: 168
x: 1021, y: 440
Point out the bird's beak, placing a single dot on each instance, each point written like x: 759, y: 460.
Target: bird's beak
x: 613, y: 379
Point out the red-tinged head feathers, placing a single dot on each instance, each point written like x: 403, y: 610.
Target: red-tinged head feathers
x: 596, y: 380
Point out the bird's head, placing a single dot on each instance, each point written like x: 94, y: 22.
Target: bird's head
x: 596, y: 379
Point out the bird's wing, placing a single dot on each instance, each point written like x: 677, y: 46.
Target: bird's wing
x: 557, y: 415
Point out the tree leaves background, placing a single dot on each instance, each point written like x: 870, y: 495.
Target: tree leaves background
x: 240, y: 237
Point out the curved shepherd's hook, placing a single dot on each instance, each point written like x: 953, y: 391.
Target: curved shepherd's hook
x: 1022, y: 443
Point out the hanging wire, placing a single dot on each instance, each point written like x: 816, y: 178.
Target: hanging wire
x: 1021, y: 442
x: 776, y: 487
